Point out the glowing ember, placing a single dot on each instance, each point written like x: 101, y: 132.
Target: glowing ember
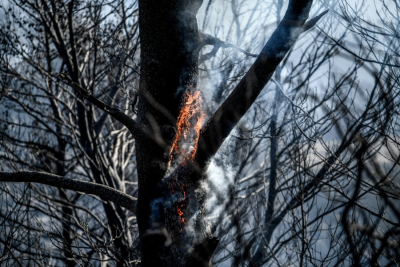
x: 180, y: 213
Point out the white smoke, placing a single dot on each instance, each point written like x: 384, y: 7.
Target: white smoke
x: 219, y: 178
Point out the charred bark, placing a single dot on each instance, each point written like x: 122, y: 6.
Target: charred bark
x: 169, y: 67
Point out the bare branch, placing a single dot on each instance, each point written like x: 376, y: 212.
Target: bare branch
x: 114, y: 112
x: 206, y: 39
x: 103, y: 191
x: 312, y: 22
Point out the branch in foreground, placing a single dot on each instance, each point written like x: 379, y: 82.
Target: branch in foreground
x: 243, y: 96
x: 103, y: 191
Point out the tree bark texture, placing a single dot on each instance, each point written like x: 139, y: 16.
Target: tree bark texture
x: 169, y: 67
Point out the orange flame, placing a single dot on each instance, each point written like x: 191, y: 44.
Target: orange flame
x: 190, y: 120
x: 184, y: 147
x: 180, y: 213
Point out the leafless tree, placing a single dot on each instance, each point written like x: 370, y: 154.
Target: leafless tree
x: 91, y: 106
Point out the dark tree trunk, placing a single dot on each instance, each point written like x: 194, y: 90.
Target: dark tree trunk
x: 169, y: 67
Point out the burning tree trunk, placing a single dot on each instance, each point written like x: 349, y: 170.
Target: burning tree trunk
x: 169, y: 69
